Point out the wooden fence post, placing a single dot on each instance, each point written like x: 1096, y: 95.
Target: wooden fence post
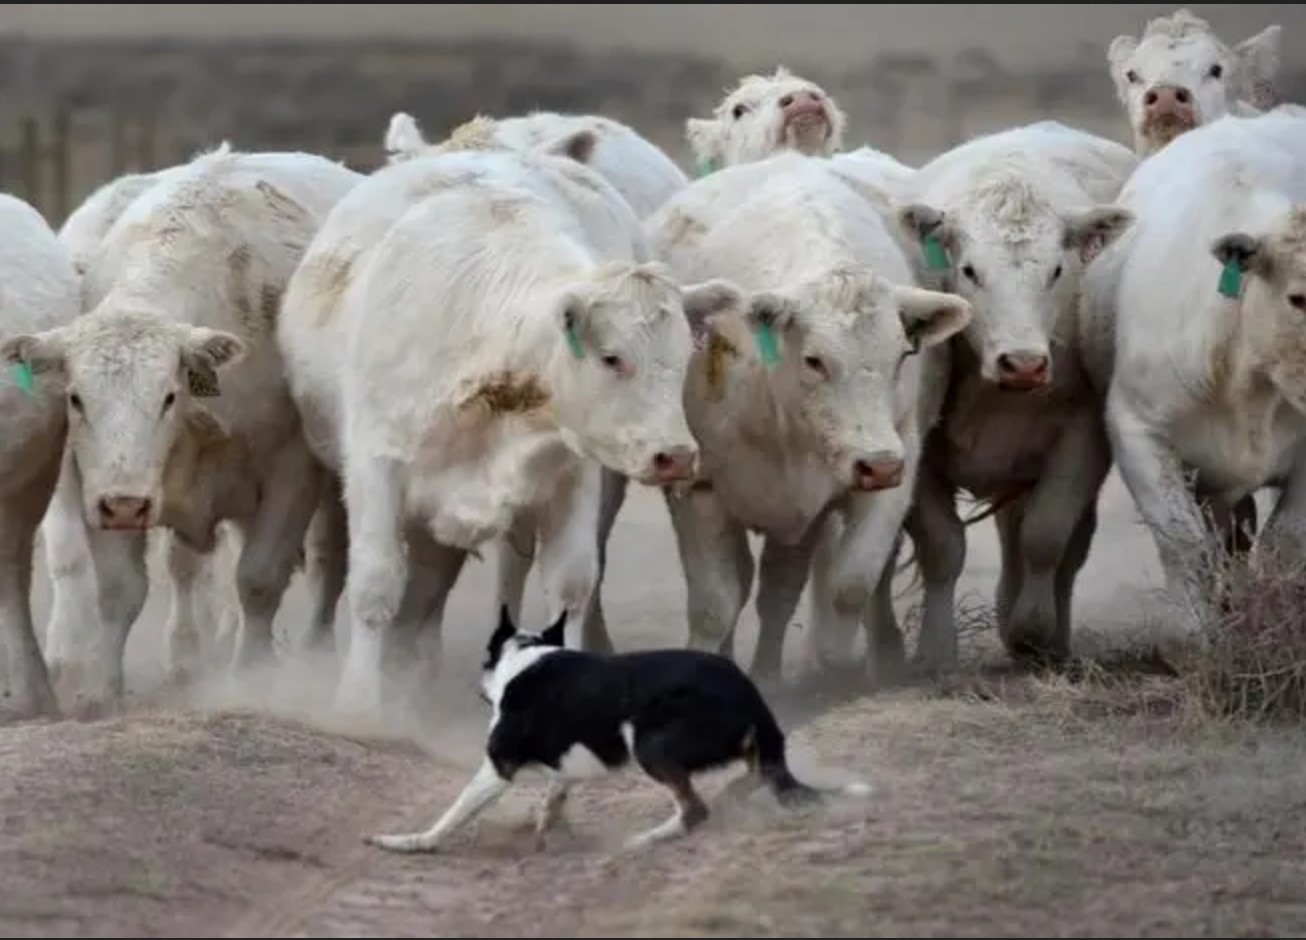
x: 61, y: 147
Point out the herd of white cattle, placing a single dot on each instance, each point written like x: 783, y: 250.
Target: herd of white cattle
x: 276, y: 362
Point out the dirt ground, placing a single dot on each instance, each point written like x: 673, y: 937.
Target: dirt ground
x: 1003, y: 805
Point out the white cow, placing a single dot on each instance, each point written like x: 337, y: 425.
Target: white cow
x: 764, y: 115
x: 1203, y: 307
x: 178, y: 410
x: 827, y: 434
x: 472, y: 336
x: 203, y: 587
x: 1011, y: 221
x: 1179, y: 75
x: 644, y: 175
x: 39, y: 290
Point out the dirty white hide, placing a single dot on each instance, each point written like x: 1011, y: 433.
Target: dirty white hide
x: 827, y: 434
x: 1011, y: 222
x: 177, y: 407
x: 203, y: 601
x: 644, y: 175
x: 39, y: 290
x: 504, y: 339
x: 1202, y: 383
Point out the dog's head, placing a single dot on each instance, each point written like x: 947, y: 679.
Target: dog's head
x: 508, y: 640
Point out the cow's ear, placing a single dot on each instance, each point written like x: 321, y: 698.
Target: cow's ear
x: 34, y: 352
x: 705, y: 301
x: 1240, y: 254
x: 578, y: 146
x: 1090, y: 232
x: 205, y: 353
x: 929, y: 317
x: 403, y: 137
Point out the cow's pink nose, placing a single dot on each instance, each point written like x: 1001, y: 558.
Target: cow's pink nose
x: 877, y: 472
x: 124, y: 512
x: 1023, y: 369
x: 802, y: 103
x: 679, y: 463
x: 1168, y: 99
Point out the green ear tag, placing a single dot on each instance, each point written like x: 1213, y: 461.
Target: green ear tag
x: 766, y: 344
x: 574, y: 342
x: 1231, y: 279
x: 23, y: 376
x: 936, y: 259
x: 706, y: 166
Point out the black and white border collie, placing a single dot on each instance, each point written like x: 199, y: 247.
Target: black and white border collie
x: 575, y: 715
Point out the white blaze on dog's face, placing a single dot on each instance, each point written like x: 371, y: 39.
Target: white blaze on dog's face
x: 511, y: 650
x: 131, y: 380
x: 1179, y: 75
x: 764, y: 115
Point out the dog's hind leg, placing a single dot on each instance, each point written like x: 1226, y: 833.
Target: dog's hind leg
x: 482, y: 790
x: 551, y: 810
x: 690, y: 812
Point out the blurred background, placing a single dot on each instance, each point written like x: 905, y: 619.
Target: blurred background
x: 90, y: 91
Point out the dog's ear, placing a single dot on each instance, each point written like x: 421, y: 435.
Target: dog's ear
x: 504, y: 632
x: 556, y: 635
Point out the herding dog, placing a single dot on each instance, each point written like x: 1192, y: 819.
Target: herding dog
x: 574, y: 715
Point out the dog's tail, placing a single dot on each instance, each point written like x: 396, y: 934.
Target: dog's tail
x: 772, y: 766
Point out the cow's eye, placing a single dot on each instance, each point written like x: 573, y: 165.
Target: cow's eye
x: 968, y: 270
x: 614, y: 362
x: 1056, y: 275
x: 739, y: 111
x: 1298, y: 301
x: 1132, y: 76
x: 1216, y: 70
x: 816, y: 364
x: 75, y: 401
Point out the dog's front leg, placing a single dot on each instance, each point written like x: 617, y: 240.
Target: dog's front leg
x: 482, y: 790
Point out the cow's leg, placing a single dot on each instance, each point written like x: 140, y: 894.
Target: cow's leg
x: 516, y: 550
x: 188, y: 582
x: 568, y: 531
x: 376, y: 580
x: 883, y: 635
x: 274, y: 538
x: 326, y: 553
x: 1007, y: 521
x: 1072, y: 477
x: 73, y: 630
x: 874, y: 524
x: 781, y: 576
x: 122, y: 574
x: 1285, y: 529
x: 940, y: 540
x: 1155, y: 478
x: 433, y: 570
x: 717, y: 565
x: 31, y: 692
x: 1081, y: 540
x: 594, y: 631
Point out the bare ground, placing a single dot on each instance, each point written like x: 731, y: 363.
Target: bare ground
x: 1004, y: 805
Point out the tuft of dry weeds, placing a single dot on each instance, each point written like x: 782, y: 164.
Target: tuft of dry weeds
x: 1250, y: 659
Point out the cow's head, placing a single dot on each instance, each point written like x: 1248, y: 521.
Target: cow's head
x: 1018, y: 259
x: 133, y: 382
x: 1179, y: 75
x: 1266, y: 272
x: 766, y: 114
x: 833, y: 347
x: 618, y: 376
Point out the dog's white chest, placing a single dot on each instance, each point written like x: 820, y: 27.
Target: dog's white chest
x: 580, y: 763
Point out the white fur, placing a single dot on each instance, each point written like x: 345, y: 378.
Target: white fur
x: 779, y: 447
x: 38, y: 291
x: 1199, y: 381
x: 189, y: 277
x: 1183, y: 52
x: 465, y: 266
x: 1016, y: 212
x: 644, y: 175
x: 751, y: 122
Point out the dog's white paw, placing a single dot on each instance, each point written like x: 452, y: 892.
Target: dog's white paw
x: 859, y: 789
x: 407, y: 843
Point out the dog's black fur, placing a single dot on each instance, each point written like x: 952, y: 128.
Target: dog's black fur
x: 674, y: 712
x: 689, y: 712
